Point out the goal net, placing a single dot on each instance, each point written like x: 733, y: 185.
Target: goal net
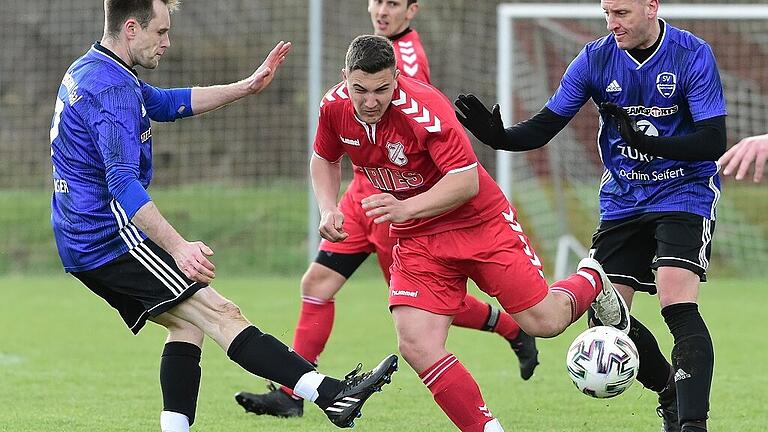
x: 555, y: 188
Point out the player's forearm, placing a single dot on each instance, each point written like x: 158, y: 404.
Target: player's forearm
x: 534, y: 132
x: 206, y: 99
x: 706, y: 143
x: 450, y: 192
x: 156, y: 227
x: 326, y: 182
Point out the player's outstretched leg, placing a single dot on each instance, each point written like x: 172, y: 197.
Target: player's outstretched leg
x: 480, y: 315
x: 610, y: 308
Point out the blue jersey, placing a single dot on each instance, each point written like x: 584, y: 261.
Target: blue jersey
x: 677, y: 85
x: 101, y: 149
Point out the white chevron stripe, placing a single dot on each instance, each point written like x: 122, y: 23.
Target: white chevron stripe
x: 340, y: 92
x: 425, y: 117
x: 411, y: 70
x: 435, y: 127
x: 402, y: 98
x: 413, y: 109
x: 407, y: 50
x: 406, y: 44
x: 351, y: 399
x: 410, y: 59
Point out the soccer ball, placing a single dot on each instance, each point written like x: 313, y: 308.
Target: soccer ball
x: 602, y: 362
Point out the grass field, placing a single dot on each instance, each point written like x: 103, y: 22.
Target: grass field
x: 68, y: 364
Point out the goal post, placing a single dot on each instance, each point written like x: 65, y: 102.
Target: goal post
x: 556, y: 188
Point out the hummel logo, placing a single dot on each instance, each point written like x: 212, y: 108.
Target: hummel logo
x: 613, y: 87
x: 351, y: 142
x: 681, y: 375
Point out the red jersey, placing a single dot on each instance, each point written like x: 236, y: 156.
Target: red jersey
x: 411, y: 58
x: 417, y: 141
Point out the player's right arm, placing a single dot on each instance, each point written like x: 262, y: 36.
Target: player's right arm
x: 325, y: 172
x: 114, y: 115
x: 570, y: 96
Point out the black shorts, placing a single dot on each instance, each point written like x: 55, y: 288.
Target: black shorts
x: 630, y: 249
x: 141, y: 283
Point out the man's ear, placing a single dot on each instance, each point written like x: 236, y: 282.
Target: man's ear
x: 344, y: 74
x: 131, y: 27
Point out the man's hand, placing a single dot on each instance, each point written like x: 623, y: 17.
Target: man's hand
x: 627, y: 127
x: 484, y: 124
x: 264, y: 74
x: 191, y: 258
x: 386, y: 208
x: 752, y: 150
x: 332, y: 225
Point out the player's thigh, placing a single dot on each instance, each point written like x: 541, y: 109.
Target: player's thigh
x: 144, y: 282
x: 499, y: 257
x: 625, y: 248
x: 421, y: 335
x: 425, y: 279
x: 684, y: 249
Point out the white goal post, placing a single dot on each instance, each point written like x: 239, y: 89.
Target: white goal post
x: 507, y: 14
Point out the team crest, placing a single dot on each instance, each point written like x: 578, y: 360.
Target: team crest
x: 396, y: 153
x: 666, y: 83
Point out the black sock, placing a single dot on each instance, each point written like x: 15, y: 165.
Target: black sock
x: 693, y: 359
x: 263, y: 355
x: 180, y: 378
x: 654, y: 369
x: 327, y: 390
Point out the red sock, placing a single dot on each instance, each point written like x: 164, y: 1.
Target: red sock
x: 313, y: 329
x: 457, y: 394
x: 581, y: 288
x: 482, y: 316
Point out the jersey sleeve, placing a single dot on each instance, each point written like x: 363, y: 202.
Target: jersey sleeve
x: 167, y: 105
x: 451, y: 149
x: 327, y: 144
x: 704, y: 89
x: 573, y: 91
x: 113, y: 117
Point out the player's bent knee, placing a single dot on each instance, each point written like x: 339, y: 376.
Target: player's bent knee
x: 321, y: 282
x: 228, y: 310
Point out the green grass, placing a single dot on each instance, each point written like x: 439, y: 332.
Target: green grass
x: 68, y: 364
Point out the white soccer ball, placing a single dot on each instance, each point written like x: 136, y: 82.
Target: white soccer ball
x: 602, y: 362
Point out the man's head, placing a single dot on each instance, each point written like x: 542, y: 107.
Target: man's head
x: 634, y: 23
x: 141, y: 26
x: 371, y: 76
x: 390, y: 17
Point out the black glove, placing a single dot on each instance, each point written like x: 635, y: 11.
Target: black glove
x: 484, y: 124
x: 627, y: 127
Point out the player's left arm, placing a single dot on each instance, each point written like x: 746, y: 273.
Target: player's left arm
x: 452, y: 153
x: 451, y: 191
x: 206, y: 99
x: 706, y: 102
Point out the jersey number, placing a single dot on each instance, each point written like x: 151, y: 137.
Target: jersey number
x: 56, y: 119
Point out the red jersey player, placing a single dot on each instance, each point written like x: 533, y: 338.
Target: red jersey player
x: 336, y: 262
x: 451, y: 220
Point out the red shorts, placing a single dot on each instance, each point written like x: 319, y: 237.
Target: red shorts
x: 364, y: 235
x: 430, y: 272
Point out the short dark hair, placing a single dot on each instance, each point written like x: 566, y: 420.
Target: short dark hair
x: 116, y: 12
x: 410, y: 2
x: 370, y: 54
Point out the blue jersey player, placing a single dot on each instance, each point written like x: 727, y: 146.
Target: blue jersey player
x: 113, y: 239
x: 662, y: 126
